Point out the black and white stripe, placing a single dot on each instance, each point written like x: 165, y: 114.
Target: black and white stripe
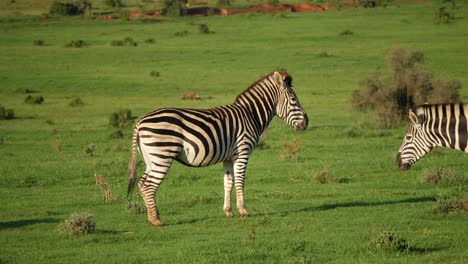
x: 197, y: 137
x: 441, y: 125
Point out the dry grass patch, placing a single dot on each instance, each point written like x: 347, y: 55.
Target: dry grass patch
x: 451, y: 204
x: 106, y: 190
x: 291, y: 150
x: 78, y: 224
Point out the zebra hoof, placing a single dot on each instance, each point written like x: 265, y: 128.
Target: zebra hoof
x: 229, y: 214
x: 245, y: 215
x: 157, y: 223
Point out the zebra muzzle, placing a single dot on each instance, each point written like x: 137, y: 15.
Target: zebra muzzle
x: 303, y: 125
x: 400, y: 164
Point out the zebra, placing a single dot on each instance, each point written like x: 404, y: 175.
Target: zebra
x: 203, y: 137
x: 438, y: 125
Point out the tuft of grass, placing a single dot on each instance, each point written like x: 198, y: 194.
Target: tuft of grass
x: 453, y: 203
x: 128, y: 41
x: 150, y: 40
x: 78, y: 224
x: 38, y: 42
x: 155, y: 74
x: 251, y: 235
x: 117, y: 134
x: 181, y: 33
x: 443, y: 176
x: 136, y: 207
x: 76, y: 102
x: 57, y: 145
x: 291, y: 150
x: 324, y: 176
x: 191, y: 96
x: 324, y: 54
x: 26, y: 91
x: 34, y: 99
x: 121, y: 118
x: 90, y: 149
x: 6, y: 113
x: 352, y: 132
x: 346, y: 32
x: 204, y: 29
x: 75, y: 44
x: 106, y: 190
x: 388, y: 241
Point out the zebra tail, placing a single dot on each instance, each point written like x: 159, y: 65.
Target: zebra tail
x: 132, y: 163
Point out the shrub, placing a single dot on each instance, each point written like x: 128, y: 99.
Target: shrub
x: 113, y: 3
x: 90, y: 149
x: 78, y: 223
x: 203, y: 29
x: 6, y: 114
x: 128, y: 41
x: 346, y: 32
x: 122, y: 118
x: 174, y: 8
x: 150, y: 40
x: 155, y: 74
x: 444, y: 12
x: 181, y: 33
x: 406, y: 85
x: 75, y: 44
x: 106, y: 190
x: 39, y: 42
x: 452, y: 203
x: 324, y: 176
x: 389, y: 241
x: 291, y: 150
x: 34, y: 99
x: 76, y: 102
x: 118, y: 134
x: 79, y: 7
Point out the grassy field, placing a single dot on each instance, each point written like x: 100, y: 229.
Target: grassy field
x: 46, y: 174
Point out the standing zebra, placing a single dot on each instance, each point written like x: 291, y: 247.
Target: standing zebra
x: 197, y: 137
x: 440, y: 125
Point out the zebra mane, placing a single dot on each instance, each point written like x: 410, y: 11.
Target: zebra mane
x: 286, y: 76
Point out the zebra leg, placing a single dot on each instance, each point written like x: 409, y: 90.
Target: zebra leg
x: 239, y: 178
x: 228, y: 183
x: 149, y: 185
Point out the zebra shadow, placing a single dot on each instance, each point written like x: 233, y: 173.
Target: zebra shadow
x: 326, y: 207
x: 26, y: 222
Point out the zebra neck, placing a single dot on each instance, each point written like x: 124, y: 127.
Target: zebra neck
x: 260, y: 110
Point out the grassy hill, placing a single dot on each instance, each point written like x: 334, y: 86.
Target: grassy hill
x: 52, y: 151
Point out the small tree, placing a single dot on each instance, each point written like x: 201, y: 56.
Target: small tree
x: 406, y: 85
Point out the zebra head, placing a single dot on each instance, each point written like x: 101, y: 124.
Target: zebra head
x: 288, y: 107
x: 415, y: 144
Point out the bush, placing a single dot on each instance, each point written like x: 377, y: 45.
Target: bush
x: 324, y: 177
x: 79, y: 7
x: 203, y: 29
x: 6, y: 114
x: 174, y: 8
x: 34, y: 99
x: 444, y: 13
x: 128, y: 41
x: 122, y: 118
x: 76, y: 102
x: 113, y: 3
x: 75, y: 44
x: 407, y: 85
x: 389, y: 241
x: 78, y: 223
x: 452, y: 203
x: 39, y: 42
x: 118, y: 134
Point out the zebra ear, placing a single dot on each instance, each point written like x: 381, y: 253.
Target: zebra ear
x: 278, y: 78
x: 413, y: 117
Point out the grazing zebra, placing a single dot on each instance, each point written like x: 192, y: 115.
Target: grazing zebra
x: 440, y: 125
x: 197, y: 137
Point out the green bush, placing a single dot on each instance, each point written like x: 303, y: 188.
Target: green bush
x: 78, y: 224
x: 406, y: 85
x: 203, y: 29
x: 389, y: 241
x: 122, y: 118
x: 79, y: 7
x: 174, y: 8
x: 34, y: 99
x: 75, y: 44
x: 6, y: 114
x: 113, y: 3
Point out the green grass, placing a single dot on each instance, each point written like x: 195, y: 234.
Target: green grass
x: 293, y: 218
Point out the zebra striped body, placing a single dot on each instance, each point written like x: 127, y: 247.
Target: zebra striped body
x: 203, y: 137
x: 441, y: 125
